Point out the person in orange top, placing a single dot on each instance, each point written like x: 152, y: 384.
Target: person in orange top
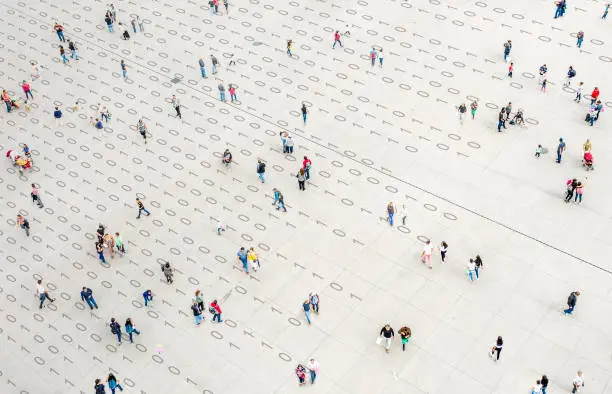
x: 7, y: 100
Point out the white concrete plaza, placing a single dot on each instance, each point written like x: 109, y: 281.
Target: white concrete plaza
x: 374, y: 135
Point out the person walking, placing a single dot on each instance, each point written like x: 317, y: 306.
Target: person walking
x: 199, y: 300
x: 306, y: 164
x: 571, y: 186
x: 7, y: 101
x: 215, y: 309
x: 289, y: 144
x: 497, y: 348
x: 571, y: 73
x: 59, y: 29
x: 300, y: 372
x: 471, y: 267
x: 571, y: 302
x: 544, y: 382
x: 537, y: 388
x: 443, y: 250
x: 148, y: 297
x: 605, y: 14
x: 510, y: 69
x: 474, y: 107
x: 337, y: 39
x: 115, y: 329
x: 261, y: 169
x: 314, y: 301
x: 130, y: 329
x: 23, y: 223
x: 220, y: 227
x: 559, y: 9
x: 113, y: 383
x: 35, y: 194
x: 99, y: 387
x: 289, y: 47
x: 426, y: 253
x: 579, y: 92
x: 405, y: 334
x: 42, y: 294
x: 109, y: 23
x: 560, y: 149
x: 313, y: 367
x: 202, y: 67
x: 242, y: 257
x: 57, y: 114
x: 380, y: 57
x: 594, y: 95
x: 87, y: 296
x: 578, y: 382
x: 62, y: 52
x: 304, y: 112
x: 253, y: 259
x: 507, y: 49
x: 301, y: 178
x: 119, y: 244
x: 197, y: 312
x: 388, y: 335
x: 133, y: 23
x: 141, y: 208
x: 373, y: 56
x: 280, y: 199
x: 74, y: 52
x: 168, y: 273
x: 462, y: 110
x: 214, y: 62
x: 403, y: 213
x: 579, y: 38
x: 501, y: 119
x: 221, y: 92
x: 390, y: 213
x: 232, y: 92
x: 306, y: 307
x: 478, y: 265
x: 176, y: 104
x: 27, y: 90
x: 123, y: 69
x: 140, y: 23
x: 142, y: 129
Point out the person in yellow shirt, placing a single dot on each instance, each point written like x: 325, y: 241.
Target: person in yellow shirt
x: 253, y: 259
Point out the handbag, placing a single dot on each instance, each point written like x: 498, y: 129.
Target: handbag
x: 379, y: 340
x: 212, y: 310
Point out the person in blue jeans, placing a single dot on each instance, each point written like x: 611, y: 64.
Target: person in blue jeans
x: 571, y: 302
x: 99, y: 387
x: 390, y: 213
x: 148, y: 297
x: 261, y: 169
x: 141, y: 208
x: 202, y: 68
x: 129, y: 328
x: 115, y: 329
x: 242, y: 256
x: 113, y: 384
x: 87, y: 296
x: 216, y: 310
x: 306, y: 307
x: 579, y: 38
x: 560, y: 149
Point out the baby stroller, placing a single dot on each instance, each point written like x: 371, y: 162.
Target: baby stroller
x: 587, y: 161
x: 518, y: 118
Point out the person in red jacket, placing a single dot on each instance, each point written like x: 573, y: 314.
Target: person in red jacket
x: 214, y: 306
x: 594, y: 95
x: 337, y: 39
x: 306, y: 166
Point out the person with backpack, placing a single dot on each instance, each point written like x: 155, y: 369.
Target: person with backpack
x: 168, y: 273
x: 301, y: 178
x: 571, y: 73
x: 462, y: 110
x: 571, y: 302
x: 215, y: 309
x: 87, y: 296
x: 261, y: 169
x: 115, y: 329
x: 24, y: 224
x: 306, y: 164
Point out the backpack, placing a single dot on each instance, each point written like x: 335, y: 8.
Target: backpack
x: 571, y: 300
x: 114, y: 328
x: 26, y: 224
x: 212, y: 310
x: 572, y: 73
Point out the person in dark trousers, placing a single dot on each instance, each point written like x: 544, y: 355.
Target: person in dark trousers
x: 42, y: 294
x: 261, y: 169
x: 544, y: 383
x: 100, y: 251
x: 87, y: 296
x: 148, y: 297
x: 197, y: 313
x: 167, y: 270
x: 115, y: 329
x: 571, y: 187
x: 113, y: 384
x: 560, y: 149
x: 497, y: 348
x: 35, y: 196
x: 443, y: 250
x: 130, y: 329
x: 304, y: 112
x: 571, y: 302
x: 301, y: 178
x: 99, y: 387
x: 141, y: 208
x: 215, y: 309
x: 306, y: 307
x: 478, y: 264
x: 507, y: 49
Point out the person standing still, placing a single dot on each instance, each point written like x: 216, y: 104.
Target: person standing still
x: 380, y: 57
x: 306, y: 164
x: 123, y: 69
x: 242, y: 257
x: 24, y: 224
x: 197, y: 313
x: 214, y: 63
x: 27, y: 90
x: 142, y: 129
x: 202, y: 67
x: 313, y: 367
x: 115, y: 329
x: 141, y: 208
x: 304, y: 112
x: 560, y: 149
x: 221, y: 92
x: 578, y: 382
x: 571, y: 302
x: 87, y: 296
x: 261, y: 169
x: 168, y: 273
x: 497, y: 348
x: 176, y: 105
x: 301, y: 178
x: 443, y: 250
x: 148, y: 297
x: 57, y: 114
x: 59, y: 29
x: 605, y: 14
x: 507, y: 49
x: 130, y: 329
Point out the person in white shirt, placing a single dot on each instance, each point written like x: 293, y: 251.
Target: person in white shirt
x: 426, y: 253
x: 578, y: 382
x: 313, y: 367
x: 537, y: 388
x: 471, y: 270
x: 42, y: 293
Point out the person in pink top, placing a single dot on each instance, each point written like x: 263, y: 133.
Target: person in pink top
x: 232, y: 92
x: 26, y: 89
x: 337, y: 39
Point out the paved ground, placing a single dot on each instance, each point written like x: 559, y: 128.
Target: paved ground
x: 374, y: 135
